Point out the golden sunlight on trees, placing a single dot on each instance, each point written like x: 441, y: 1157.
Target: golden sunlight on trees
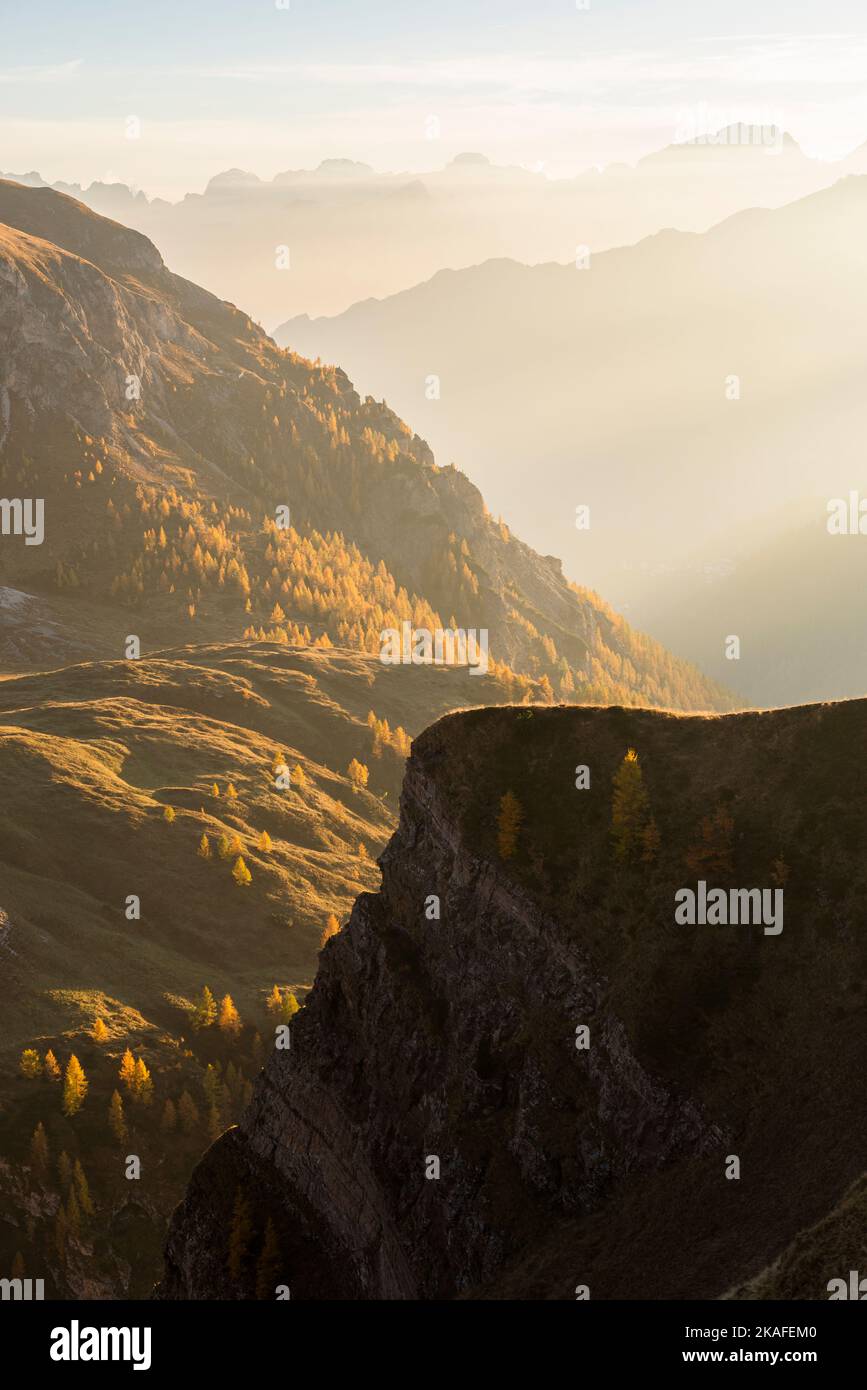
x: 30, y: 1065
x: 331, y: 928
x: 99, y: 1032
x: 74, y: 1087
x: 241, y: 874
x: 264, y: 842
x: 230, y: 1019
x: 127, y: 1070
x: 51, y: 1067
x: 358, y: 773
x: 169, y: 815
x: 142, y: 1086
x: 204, y: 850
x: 205, y: 1012
x: 116, y: 1121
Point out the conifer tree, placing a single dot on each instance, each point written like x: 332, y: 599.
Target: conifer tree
x: 223, y: 847
x: 215, y: 790
x: 206, y: 1010
x: 51, y: 1066
x: 143, y: 1086
x: 99, y: 1032
x: 274, y: 1003
x: 358, y: 773
x: 241, y: 874
x: 64, y: 1172
x: 629, y: 809
x: 231, y: 793
x: 264, y: 841
x: 30, y: 1065
x: 169, y: 815
x: 39, y: 1154
x: 230, y: 1019
x: 204, y: 850
x: 188, y: 1113
x: 82, y: 1190
x: 127, y: 1070
x: 331, y: 928
x: 289, y: 1006
x: 508, y: 825
x: 116, y: 1121
x: 74, y: 1087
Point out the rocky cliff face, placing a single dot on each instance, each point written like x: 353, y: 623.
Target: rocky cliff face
x: 453, y: 1038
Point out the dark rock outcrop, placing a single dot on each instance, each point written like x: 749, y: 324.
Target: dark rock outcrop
x: 454, y: 1038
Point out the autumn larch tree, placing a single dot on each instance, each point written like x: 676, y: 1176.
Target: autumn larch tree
x: 204, y: 850
x: 51, y: 1067
x: 99, y: 1032
x: 358, y: 773
x: 331, y: 928
x: 127, y: 1070
x: 30, y: 1064
x: 188, y: 1113
x: 230, y: 1019
x: 169, y: 815
x: 264, y: 841
x: 116, y: 1121
x: 629, y: 808
x: 82, y: 1190
x: 74, y: 1087
x: 241, y: 874
x: 508, y: 825
x: 39, y: 1153
x: 205, y: 1011
x: 143, y: 1086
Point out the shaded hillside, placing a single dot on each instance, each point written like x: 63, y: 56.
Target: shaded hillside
x: 164, y: 431
x: 679, y: 388
x: 455, y: 1037
x: 93, y: 758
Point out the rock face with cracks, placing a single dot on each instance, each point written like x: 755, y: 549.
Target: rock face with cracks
x: 453, y: 1036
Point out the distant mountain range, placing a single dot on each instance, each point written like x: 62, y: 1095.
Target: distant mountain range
x: 692, y: 391
x: 345, y: 232
x: 164, y: 433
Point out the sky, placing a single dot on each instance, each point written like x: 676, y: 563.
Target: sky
x: 166, y: 94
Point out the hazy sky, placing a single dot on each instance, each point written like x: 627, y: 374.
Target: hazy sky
x: 223, y: 83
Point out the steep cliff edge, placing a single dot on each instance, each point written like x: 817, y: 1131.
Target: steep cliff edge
x: 455, y: 1037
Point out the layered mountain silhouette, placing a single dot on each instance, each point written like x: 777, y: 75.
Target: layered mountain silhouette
x: 568, y: 1075
x: 352, y: 231
x: 168, y: 437
x: 681, y: 389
